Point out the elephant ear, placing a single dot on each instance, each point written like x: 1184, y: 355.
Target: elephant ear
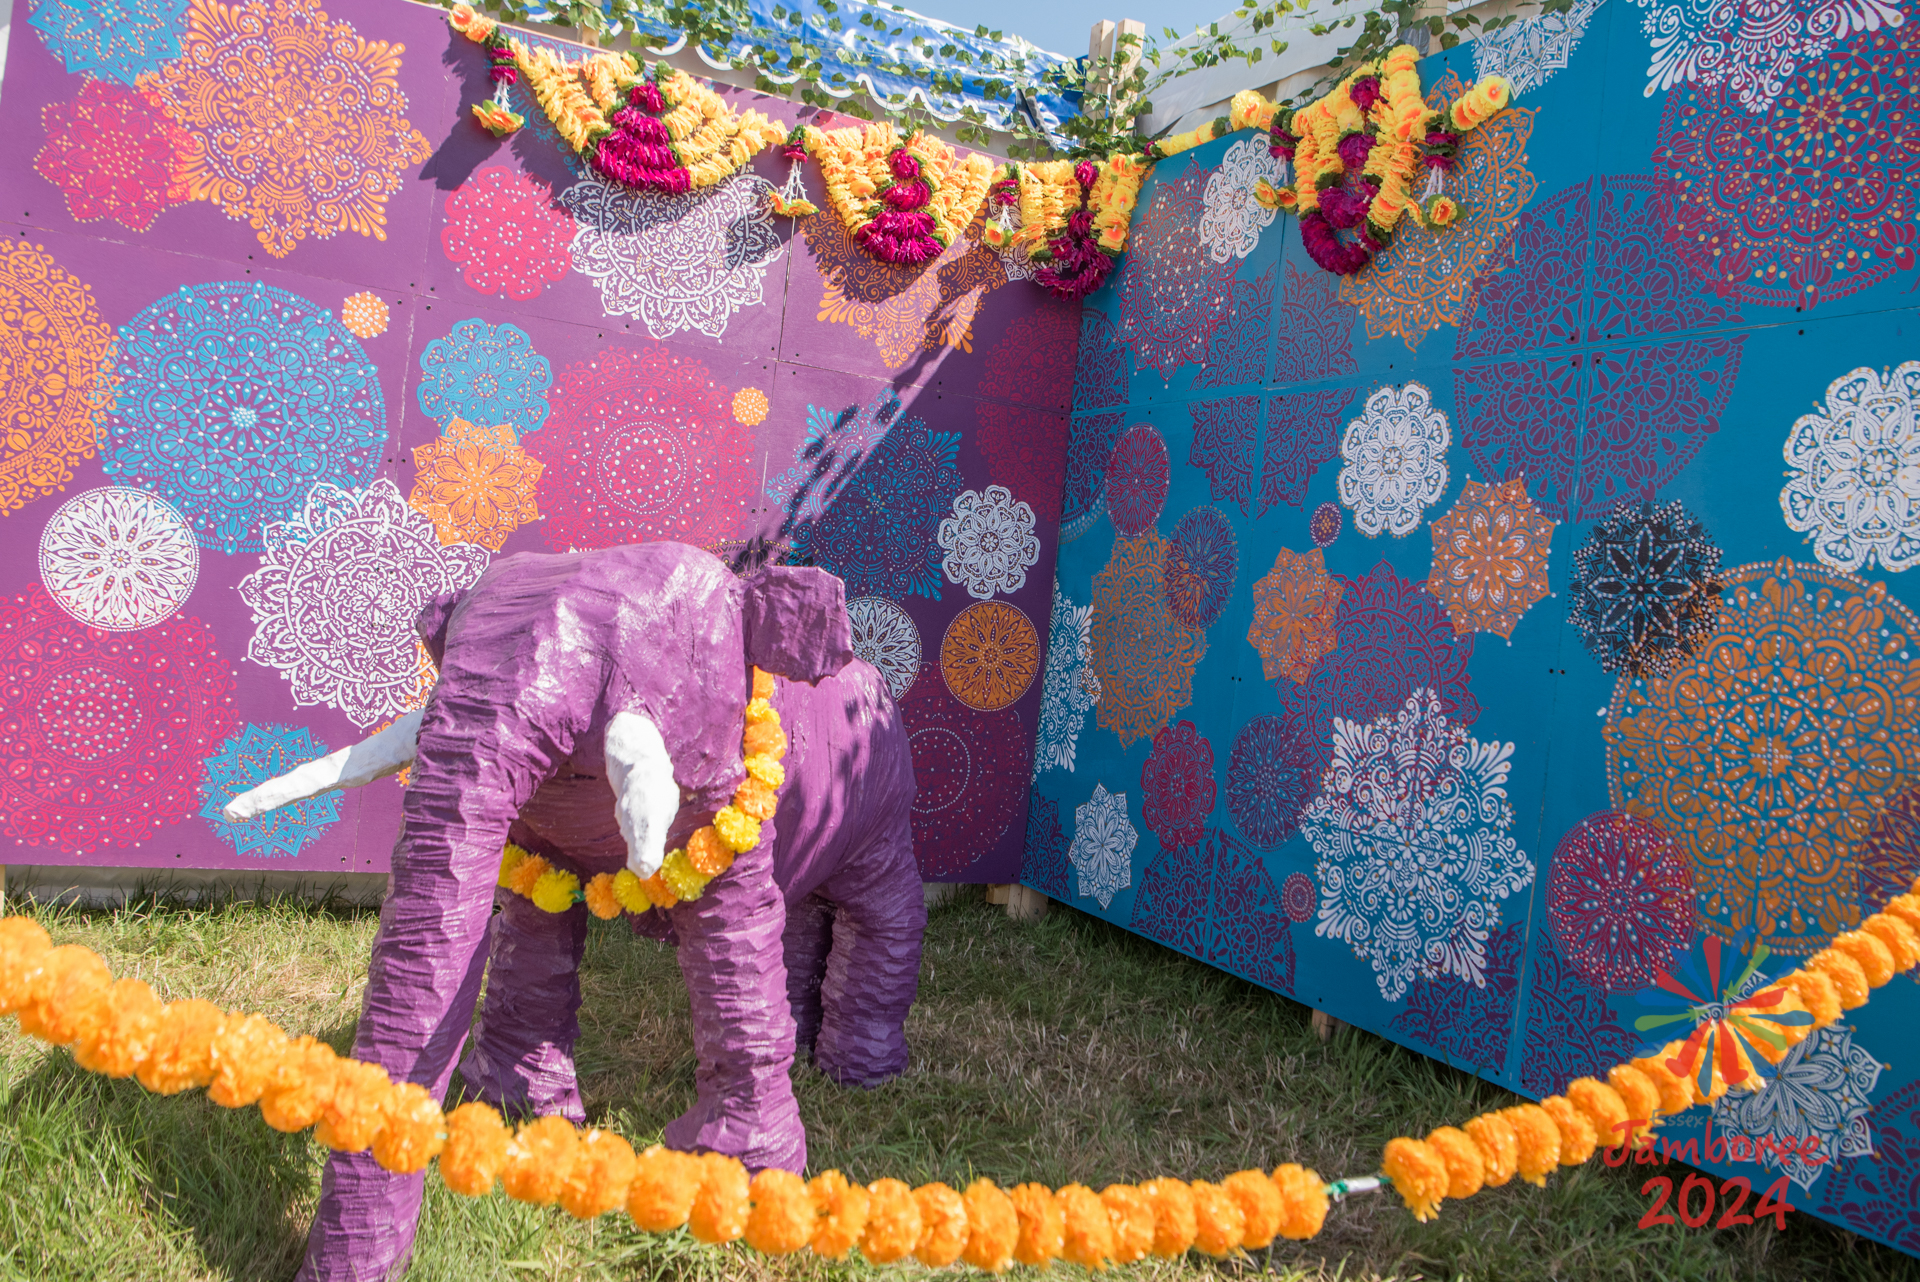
x: 796, y: 622
x: 431, y: 623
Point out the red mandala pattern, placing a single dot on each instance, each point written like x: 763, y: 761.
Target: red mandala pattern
x: 114, y: 154
x: 644, y: 443
x: 1024, y: 444
x: 1251, y: 936
x: 1142, y: 655
x: 1174, y: 896
x: 1890, y: 856
x: 1237, y: 353
x: 1881, y: 1193
x: 1100, y: 367
x: 1395, y: 638
x: 1814, y: 199
x: 1172, y: 294
x: 102, y: 734
x: 1177, y: 783
x: 509, y: 237
x: 971, y: 772
x: 1299, y: 897
x: 1316, y: 330
x: 1619, y: 900
x: 1137, y: 479
x: 1468, y: 1023
x: 1589, y: 430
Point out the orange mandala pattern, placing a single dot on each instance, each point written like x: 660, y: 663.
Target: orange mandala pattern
x: 902, y: 310
x: 1490, y: 557
x: 364, y: 315
x: 53, y: 350
x: 1296, y: 615
x: 990, y: 655
x: 1141, y: 653
x: 1773, y: 751
x: 475, y: 484
x: 296, y: 120
x: 1424, y: 279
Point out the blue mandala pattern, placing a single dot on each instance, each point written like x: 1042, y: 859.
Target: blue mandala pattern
x: 1237, y: 353
x: 1470, y: 1024
x: 486, y: 374
x: 1069, y: 689
x: 880, y: 535
x: 111, y: 39
x: 837, y: 443
x: 1046, y: 867
x: 1570, y: 1029
x: 236, y: 399
x: 249, y: 759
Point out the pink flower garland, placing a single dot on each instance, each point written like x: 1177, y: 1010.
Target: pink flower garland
x: 1077, y: 265
x: 902, y: 232
x: 639, y: 151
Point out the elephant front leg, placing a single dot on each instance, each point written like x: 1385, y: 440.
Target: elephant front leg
x: 521, y: 1058
x: 731, y: 953
x: 425, y: 973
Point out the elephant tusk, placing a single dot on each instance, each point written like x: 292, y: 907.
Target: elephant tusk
x: 375, y: 757
x: 646, y: 796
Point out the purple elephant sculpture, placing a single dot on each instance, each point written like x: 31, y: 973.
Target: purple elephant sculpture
x: 590, y: 709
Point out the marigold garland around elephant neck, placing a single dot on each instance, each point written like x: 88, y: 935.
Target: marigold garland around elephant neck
x: 686, y: 871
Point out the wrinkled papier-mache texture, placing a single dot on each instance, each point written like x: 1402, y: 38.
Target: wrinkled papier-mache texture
x: 535, y: 660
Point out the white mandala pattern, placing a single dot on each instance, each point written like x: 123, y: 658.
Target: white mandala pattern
x: 1753, y: 46
x: 1854, y: 481
x: 676, y: 262
x: 886, y: 636
x: 118, y: 558
x: 337, y: 592
x: 1232, y: 220
x: 1820, y: 1089
x: 1103, y: 842
x: 1413, y: 850
x: 1529, y: 51
x: 1068, y: 688
x: 1394, y: 461
x: 989, y: 541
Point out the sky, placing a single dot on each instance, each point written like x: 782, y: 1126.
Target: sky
x: 1061, y: 26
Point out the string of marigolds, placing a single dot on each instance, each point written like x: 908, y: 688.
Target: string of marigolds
x: 67, y: 996
x: 685, y: 872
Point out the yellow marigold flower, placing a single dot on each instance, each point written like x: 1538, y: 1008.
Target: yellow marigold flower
x: 709, y: 855
x: 1538, y: 1140
x: 1132, y: 1218
x: 182, y: 1053
x: 527, y: 874
x: 1441, y: 211
x: 893, y: 1222
x: 660, y: 1195
x: 1577, y: 1136
x: 602, y: 902
x: 1173, y: 1217
x: 1043, y: 1228
x: 756, y: 799
x: 659, y: 892
x: 761, y: 710
x: 245, y: 1052
x: 117, y: 1028
x: 767, y: 770
x: 1499, y: 1149
x: 555, y: 890
x: 943, y: 1225
x: 720, y: 1208
x: 1846, y: 973
x: 631, y: 894
x: 687, y: 881
x: 357, y: 1108
x: 1086, y: 1230
x: 1419, y: 1175
x: 781, y: 1220
x: 764, y: 739
x: 57, y: 991
x: 300, y: 1085
x: 1642, y: 1098
x: 841, y: 1210
x: 1466, y: 1172
x: 539, y: 1161
x: 475, y: 1151
x: 1906, y: 908
x: 510, y: 858
x: 1303, y: 1196
x: 993, y: 1227
x: 1260, y: 1206
x: 1675, y: 1095
x: 740, y: 831
x: 1900, y: 938
x: 603, y: 1167
x: 1875, y: 958
x: 413, y: 1131
x: 1603, y: 1107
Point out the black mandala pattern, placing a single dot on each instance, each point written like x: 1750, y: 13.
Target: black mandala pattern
x: 1644, y: 592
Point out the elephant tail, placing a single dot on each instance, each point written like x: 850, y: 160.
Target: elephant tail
x: 432, y: 621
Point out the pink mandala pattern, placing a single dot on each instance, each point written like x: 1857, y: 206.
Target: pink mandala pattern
x: 1172, y: 294
x: 1137, y: 479
x: 1177, y: 783
x: 102, y: 733
x: 1595, y: 428
x: 1324, y: 526
x: 507, y: 235
x: 1395, y: 638
x: 1172, y: 902
x: 1251, y: 933
x: 971, y: 768
x: 1619, y: 900
x: 1469, y: 1023
x: 1315, y: 337
x: 643, y: 445
x: 1890, y: 856
x: 1490, y: 557
x: 1426, y: 279
x: 1812, y: 200
x: 114, y: 154
x: 1025, y: 444
x: 1237, y: 353
x: 1141, y: 653
x: 1883, y: 1193
x: 1202, y: 558
x: 1299, y: 897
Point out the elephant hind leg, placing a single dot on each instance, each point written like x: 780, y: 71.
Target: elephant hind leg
x: 808, y: 937
x: 873, y: 970
x: 521, y: 1059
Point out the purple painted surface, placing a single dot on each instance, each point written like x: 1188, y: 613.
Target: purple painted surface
x: 663, y: 361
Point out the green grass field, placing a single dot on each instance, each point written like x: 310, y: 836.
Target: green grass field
x: 1058, y: 1051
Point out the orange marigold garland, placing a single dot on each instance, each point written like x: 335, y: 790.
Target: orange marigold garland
x: 68, y: 996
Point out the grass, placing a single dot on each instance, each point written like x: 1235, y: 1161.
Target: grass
x: 1058, y: 1051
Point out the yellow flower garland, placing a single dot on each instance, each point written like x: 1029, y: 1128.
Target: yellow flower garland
x: 686, y: 871
x: 67, y: 996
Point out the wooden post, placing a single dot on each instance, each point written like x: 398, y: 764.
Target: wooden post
x: 1105, y: 99
x: 997, y: 894
x: 1025, y: 903
x: 3, y: 889
x: 1325, y: 1025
